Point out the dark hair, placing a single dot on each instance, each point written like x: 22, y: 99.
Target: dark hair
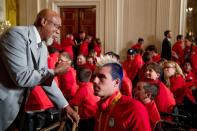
x: 189, y: 37
x: 151, y: 48
x: 131, y: 52
x: 98, y: 41
x: 111, y: 53
x: 80, y: 32
x: 52, y: 49
x: 178, y: 37
x: 42, y: 14
x: 146, y: 56
x: 84, y: 74
x: 140, y: 39
x: 116, y: 70
x: 151, y: 88
x: 156, y: 67
x: 166, y: 33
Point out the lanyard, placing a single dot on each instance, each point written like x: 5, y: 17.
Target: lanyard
x: 111, y: 106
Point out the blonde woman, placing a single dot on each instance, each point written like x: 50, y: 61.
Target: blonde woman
x: 175, y: 80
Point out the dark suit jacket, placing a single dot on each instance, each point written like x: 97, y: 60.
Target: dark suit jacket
x: 166, y: 49
x: 22, y: 68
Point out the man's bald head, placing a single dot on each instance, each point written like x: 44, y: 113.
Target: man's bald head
x: 48, y: 23
x: 45, y: 14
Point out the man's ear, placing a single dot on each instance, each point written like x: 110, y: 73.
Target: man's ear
x: 117, y: 82
x: 43, y: 22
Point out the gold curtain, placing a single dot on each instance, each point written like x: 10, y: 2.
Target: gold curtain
x: 12, y: 11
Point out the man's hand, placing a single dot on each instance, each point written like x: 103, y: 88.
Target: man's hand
x: 62, y: 67
x: 71, y: 113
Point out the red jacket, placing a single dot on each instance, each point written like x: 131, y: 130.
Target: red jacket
x: 83, y: 49
x: 190, y: 79
x: 57, y: 45
x: 133, y: 67
x: 92, y: 67
x: 153, y: 113
x: 126, y: 87
x: 121, y: 113
x: 127, y: 64
x: 67, y: 46
x: 52, y: 60
x: 38, y: 100
x: 178, y: 48
x: 68, y: 83
x: 178, y: 88
x: 97, y: 49
x: 156, y: 58
x: 137, y: 46
x: 85, y: 100
x: 193, y: 56
x: 164, y: 100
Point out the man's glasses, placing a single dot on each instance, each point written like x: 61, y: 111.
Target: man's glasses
x: 57, y: 26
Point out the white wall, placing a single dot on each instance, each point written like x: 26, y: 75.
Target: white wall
x: 119, y: 23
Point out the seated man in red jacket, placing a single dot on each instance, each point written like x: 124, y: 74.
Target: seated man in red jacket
x: 133, y: 65
x: 67, y: 81
x: 146, y: 93
x: 116, y: 112
x: 85, y: 100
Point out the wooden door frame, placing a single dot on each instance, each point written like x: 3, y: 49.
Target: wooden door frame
x: 55, y: 5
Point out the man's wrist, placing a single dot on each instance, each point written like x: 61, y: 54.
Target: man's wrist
x: 68, y: 109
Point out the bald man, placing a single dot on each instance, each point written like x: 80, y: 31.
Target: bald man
x: 23, y: 65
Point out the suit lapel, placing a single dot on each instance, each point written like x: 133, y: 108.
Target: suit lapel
x: 42, y: 62
x: 34, y: 50
x: 33, y: 44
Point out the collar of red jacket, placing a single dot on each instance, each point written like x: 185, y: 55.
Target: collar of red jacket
x: 106, y: 103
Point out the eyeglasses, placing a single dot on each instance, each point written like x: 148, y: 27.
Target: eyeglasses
x: 57, y: 26
x: 169, y: 67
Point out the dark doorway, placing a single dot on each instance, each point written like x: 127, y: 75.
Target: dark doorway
x: 75, y: 20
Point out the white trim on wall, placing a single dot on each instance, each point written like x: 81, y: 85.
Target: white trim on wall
x: 2, y: 10
x: 182, y: 24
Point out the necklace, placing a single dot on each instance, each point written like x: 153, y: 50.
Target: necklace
x: 111, y: 106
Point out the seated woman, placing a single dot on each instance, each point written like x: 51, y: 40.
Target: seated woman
x: 175, y: 80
